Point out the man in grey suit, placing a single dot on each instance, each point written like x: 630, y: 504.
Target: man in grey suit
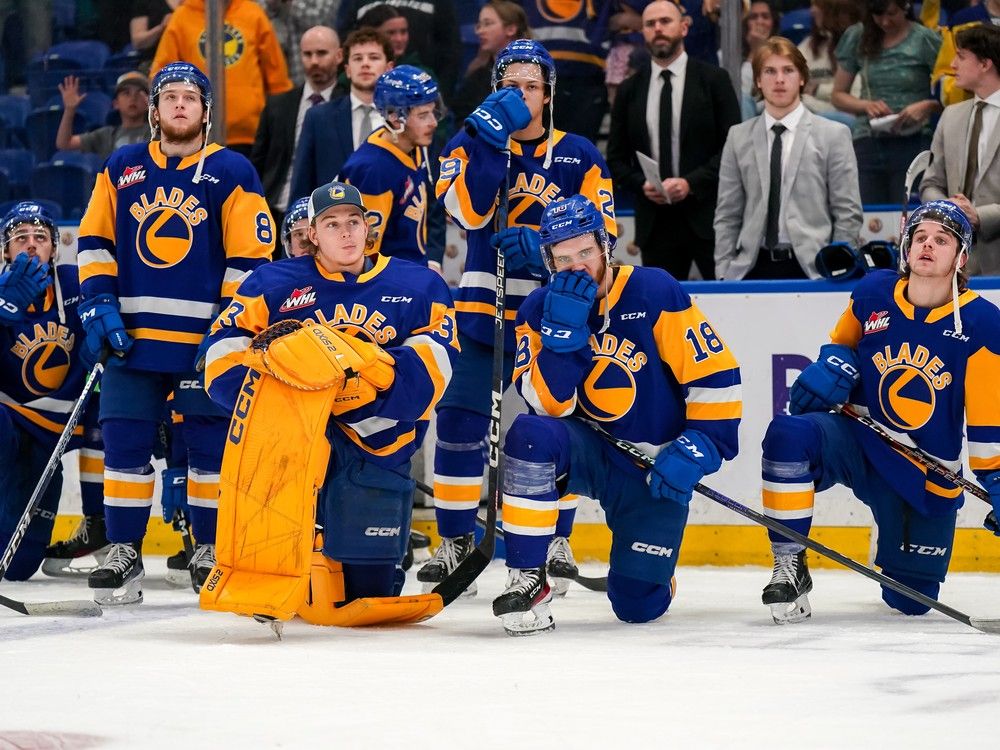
x: 788, y: 181
x: 966, y: 146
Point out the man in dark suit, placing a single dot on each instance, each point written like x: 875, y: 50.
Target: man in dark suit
x: 281, y: 120
x: 678, y: 111
x: 332, y: 131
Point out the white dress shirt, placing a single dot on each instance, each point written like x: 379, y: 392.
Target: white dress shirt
x: 358, y: 114
x: 791, y: 122
x: 678, y: 70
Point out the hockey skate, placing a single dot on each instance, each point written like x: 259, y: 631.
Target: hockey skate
x: 523, y: 607
x: 118, y: 580
x: 178, y: 572
x: 787, y: 593
x: 560, y: 565
x: 201, y: 565
x: 447, y: 557
x: 89, y: 539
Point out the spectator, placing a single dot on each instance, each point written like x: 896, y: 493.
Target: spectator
x: 433, y: 32
x: 894, y: 57
x: 830, y: 19
x: 393, y: 25
x: 149, y: 19
x: 281, y: 120
x: 626, y: 25
x: 788, y: 181
x: 760, y: 23
x: 332, y: 131
x: 678, y: 111
x: 131, y: 102
x: 291, y: 19
x: 500, y: 23
x: 255, y: 66
x: 986, y: 12
x: 966, y: 168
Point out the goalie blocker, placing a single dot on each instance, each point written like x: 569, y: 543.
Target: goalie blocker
x: 349, y: 354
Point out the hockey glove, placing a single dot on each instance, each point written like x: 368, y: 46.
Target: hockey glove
x: 27, y: 279
x: 102, y: 322
x: 202, y: 354
x: 174, y: 496
x: 376, y: 365
x: 992, y: 484
x: 568, y: 299
x: 826, y: 382
x: 681, y: 465
x: 519, y: 246
x: 501, y: 113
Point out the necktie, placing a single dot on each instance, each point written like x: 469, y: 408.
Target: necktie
x: 315, y: 99
x: 972, y: 162
x: 666, y: 119
x: 774, y: 189
x: 366, y: 123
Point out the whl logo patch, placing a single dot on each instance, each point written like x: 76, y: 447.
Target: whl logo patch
x: 132, y: 176
x: 298, y: 299
x: 877, y: 321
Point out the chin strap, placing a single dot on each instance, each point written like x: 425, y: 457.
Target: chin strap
x: 954, y: 295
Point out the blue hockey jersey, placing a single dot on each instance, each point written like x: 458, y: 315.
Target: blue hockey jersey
x: 404, y: 308
x: 576, y: 34
x: 472, y: 175
x: 658, y: 369
x: 172, y: 251
x: 918, y: 375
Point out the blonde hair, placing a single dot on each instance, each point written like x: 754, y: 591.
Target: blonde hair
x: 779, y: 45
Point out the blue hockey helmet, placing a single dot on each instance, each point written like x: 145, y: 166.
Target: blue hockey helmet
x: 945, y: 213
x: 27, y: 212
x: 524, y: 51
x: 180, y: 72
x: 400, y: 89
x: 568, y: 218
x: 299, y: 210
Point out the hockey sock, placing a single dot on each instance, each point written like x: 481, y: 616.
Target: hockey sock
x: 567, y: 513
x: 91, y: 461
x: 787, y: 474
x: 458, y: 470
x: 205, y: 438
x: 128, y: 477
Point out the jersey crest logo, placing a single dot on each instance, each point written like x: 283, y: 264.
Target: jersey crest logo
x: 909, y: 379
x: 298, y: 299
x: 45, y: 357
x: 131, y: 176
x: 609, y: 389
x: 166, y: 222
x: 559, y: 11
x: 877, y: 321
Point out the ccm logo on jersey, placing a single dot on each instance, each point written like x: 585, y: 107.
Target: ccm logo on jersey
x: 566, y: 160
x: 877, y: 321
x: 652, y: 549
x: 633, y: 315
x: 298, y: 299
x: 189, y: 385
x: 382, y: 531
x: 404, y: 300
x: 954, y: 335
x: 131, y: 176
x: 924, y: 549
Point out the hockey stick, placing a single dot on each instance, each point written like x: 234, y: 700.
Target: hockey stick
x: 986, y: 625
x: 923, y: 459
x: 919, y: 165
x: 476, y: 561
x: 67, y: 608
x: 179, y: 522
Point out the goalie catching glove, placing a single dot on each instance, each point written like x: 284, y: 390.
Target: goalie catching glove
x: 312, y: 357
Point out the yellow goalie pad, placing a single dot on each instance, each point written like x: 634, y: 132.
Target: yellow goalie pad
x: 274, y: 464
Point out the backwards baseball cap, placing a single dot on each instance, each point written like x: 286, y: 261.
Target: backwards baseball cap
x: 132, y: 78
x: 331, y: 195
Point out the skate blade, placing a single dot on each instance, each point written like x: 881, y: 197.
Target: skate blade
x: 559, y: 586
x: 277, y: 626
x: 62, y: 567
x: 428, y: 588
x: 129, y: 594
x: 178, y: 579
x: 538, y: 620
x: 789, y: 613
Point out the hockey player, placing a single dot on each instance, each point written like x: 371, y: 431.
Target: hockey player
x: 624, y: 347
x: 912, y: 351
x: 171, y: 227
x: 544, y: 165
x: 295, y: 230
x: 391, y: 168
x: 398, y: 317
x: 41, y: 376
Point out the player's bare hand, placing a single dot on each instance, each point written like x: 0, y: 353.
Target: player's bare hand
x: 69, y: 89
x: 965, y: 205
x: 876, y: 108
x: 653, y: 194
x: 677, y: 188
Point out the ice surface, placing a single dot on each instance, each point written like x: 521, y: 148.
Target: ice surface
x: 714, y: 672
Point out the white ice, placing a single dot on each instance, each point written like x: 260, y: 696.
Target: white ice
x: 714, y: 672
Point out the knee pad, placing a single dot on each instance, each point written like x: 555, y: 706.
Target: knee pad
x: 790, y: 439
x: 459, y: 426
x: 128, y: 443
x: 905, y: 604
x: 635, y: 601
x: 534, y: 438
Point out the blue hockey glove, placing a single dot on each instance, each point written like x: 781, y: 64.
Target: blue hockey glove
x: 102, y: 322
x: 568, y: 299
x: 519, y: 246
x: 21, y: 285
x: 501, y: 113
x: 992, y: 484
x: 681, y: 465
x: 826, y: 382
x: 174, y: 496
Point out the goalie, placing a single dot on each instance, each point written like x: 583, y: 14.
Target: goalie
x: 338, y: 345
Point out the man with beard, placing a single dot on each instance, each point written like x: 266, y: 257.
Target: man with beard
x: 678, y: 111
x: 332, y: 131
x: 283, y: 115
x: 171, y: 228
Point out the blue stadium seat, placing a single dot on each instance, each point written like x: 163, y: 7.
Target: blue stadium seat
x: 69, y: 185
x: 13, y: 112
x: 42, y: 126
x: 796, y: 24
x: 18, y: 162
x: 83, y: 53
x: 93, y: 162
x: 52, y: 208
